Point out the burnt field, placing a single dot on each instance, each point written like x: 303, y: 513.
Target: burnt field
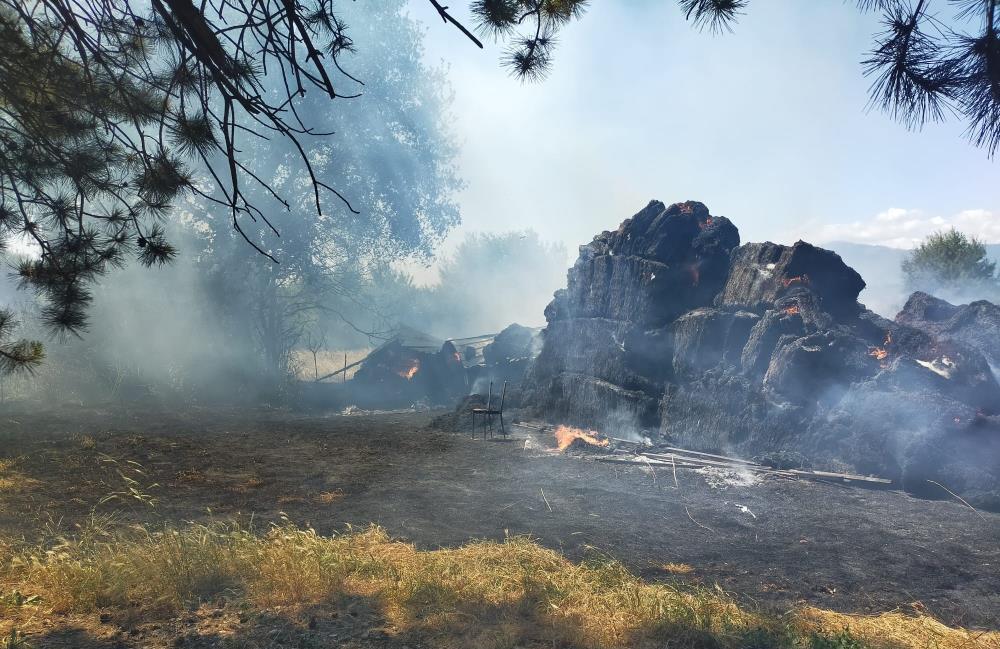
x: 776, y: 543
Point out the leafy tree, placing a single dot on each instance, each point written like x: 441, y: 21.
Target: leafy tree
x: 106, y: 108
x: 392, y: 155
x: 922, y: 69
x: 951, y: 261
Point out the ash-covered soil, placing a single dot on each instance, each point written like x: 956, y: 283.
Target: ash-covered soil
x: 775, y: 543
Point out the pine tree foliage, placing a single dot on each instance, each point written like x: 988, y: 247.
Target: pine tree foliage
x: 114, y: 111
x: 950, y: 260
x: 16, y: 355
x: 922, y: 68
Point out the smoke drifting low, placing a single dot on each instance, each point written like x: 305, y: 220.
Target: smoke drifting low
x: 183, y: 333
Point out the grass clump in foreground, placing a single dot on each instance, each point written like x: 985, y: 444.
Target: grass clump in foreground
x: 485, y: 594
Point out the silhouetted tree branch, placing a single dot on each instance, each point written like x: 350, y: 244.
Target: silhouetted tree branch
x: 922, y: 69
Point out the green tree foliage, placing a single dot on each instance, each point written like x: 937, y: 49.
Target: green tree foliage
x: 951, y: 261
x: 392, y: 155
x: 922, y: 68
x: 19, y: 354
x: 105, y: 107
x: 114, y: 112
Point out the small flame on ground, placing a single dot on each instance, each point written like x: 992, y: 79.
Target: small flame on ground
x: 408, y: 372
x: 792, y: 310
x: 798, y: 279
x: 565, y: 435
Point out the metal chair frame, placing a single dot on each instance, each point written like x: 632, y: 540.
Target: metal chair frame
x: 489, y: 413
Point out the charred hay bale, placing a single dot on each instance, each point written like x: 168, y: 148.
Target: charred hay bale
x: 819, y: 368
x: 976, y: 324
x: 397, y: 375
x: 911, y: 436
x: 764, y: 337
x: 626, y: 287
x: 584, y: 400
x: 963, y: 458
x: 706, y: 337
x: 724, y: 411
x: 762, y: 273
x: 658, y: 264
x: 596, y: 347
x: 952, y: 370
x: 513, y: 343
x: 917, y: 359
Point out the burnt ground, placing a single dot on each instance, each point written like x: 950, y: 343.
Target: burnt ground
x: 774, y: 544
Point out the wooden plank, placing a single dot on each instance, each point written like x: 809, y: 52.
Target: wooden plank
x: 765, y: 471
x: 531, y: 426
x: 713, y: 464
x: 705, y: 461
x: 710, y: 455
x: 848, y: 477
x: 629, y: 460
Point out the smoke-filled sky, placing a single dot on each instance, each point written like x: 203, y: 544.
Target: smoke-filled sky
x: 767, y: 126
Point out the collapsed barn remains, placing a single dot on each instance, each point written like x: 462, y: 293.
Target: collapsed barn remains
x: 413, y: 368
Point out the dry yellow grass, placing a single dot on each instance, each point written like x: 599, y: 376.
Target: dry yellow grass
x: 894, y: 629
x: 327, y: 361
x: 484, y: 594
x: 11, y: 480
x: 329, y: 497
x: 677, y: 568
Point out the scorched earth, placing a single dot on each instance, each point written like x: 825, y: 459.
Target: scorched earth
x: 773, y: 543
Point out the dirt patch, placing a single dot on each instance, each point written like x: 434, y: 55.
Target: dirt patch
x: 775, y: 543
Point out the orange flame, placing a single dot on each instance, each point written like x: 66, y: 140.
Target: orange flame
x: 706, y: 223
x: 566, y: 434
x: 882, y: 353
x: 798, y: 279
x: 409, y: 372
x: 792, y: 310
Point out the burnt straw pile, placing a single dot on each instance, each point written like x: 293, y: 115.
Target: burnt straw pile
x: 669, y: 323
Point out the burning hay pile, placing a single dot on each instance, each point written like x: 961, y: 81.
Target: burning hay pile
x: 669, y: 323
x: 408, y: 369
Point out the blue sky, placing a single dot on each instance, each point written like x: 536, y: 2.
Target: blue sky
x: 767, y: 126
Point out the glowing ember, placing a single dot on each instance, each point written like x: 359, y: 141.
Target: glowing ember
x: 798, y: 279
x: 882, y: 353
x: 407, y: 373
x: 566, y: 434
x: 792, y: 310
x: 878, y: 353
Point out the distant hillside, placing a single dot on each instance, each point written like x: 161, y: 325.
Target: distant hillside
x: 880, y: 268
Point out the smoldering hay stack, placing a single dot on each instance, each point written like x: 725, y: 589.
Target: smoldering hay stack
x: 668, y: 323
